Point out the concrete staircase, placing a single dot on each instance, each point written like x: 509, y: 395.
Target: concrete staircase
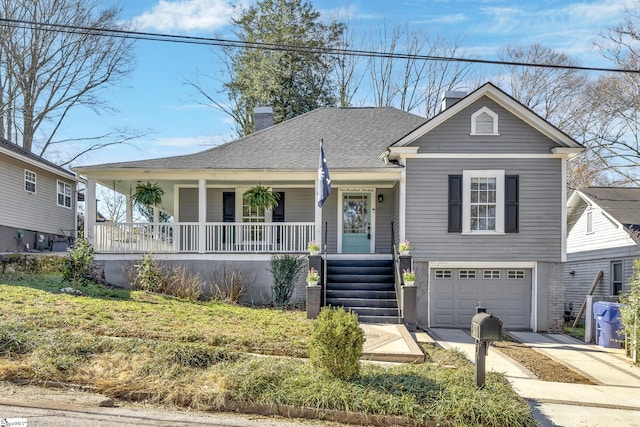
x: 364, y: 286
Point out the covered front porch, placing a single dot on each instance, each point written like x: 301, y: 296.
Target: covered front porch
x: 209, y: 216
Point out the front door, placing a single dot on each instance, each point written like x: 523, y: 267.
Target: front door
x: 356, y: 223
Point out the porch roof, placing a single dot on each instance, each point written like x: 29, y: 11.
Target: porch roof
x: 353, y: 138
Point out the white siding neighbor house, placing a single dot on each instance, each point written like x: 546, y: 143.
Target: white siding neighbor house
x: 603, y: 231
x: 478, y: 190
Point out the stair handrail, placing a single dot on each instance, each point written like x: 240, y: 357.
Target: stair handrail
x: 397, y: 282
x: 323, y: 276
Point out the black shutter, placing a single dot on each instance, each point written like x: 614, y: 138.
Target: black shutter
x: 511, y: 199
x: 228, y: 211
x: 455, y: 203
x: 278, y: 211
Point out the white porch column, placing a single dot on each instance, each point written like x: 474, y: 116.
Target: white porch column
x: 402, y: 200
x: 90, y: 210
x: 318, y: 218
x: 129, y: 208
x: 202, y: 215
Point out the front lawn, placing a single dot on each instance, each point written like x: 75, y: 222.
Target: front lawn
x: 209, y: 355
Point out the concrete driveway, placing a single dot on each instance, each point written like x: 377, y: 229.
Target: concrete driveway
x: 613, y: 402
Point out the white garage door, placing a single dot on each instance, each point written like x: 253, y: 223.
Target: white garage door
x: 456, y: 292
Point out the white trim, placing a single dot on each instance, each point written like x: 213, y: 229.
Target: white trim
x: 484, y: 156
x: 402, y: 207
x: 202, y: 215
x: 90, y: 209
x: 35, y: 181
x: 474, y: 124
x: 185, y: 257
x: 64, y: 194
x: 482, y: 264
x: 534, y: 298
x: 467, y: 175
x: 372, y: 214
x: 318, y: 216
x: 564, y: 212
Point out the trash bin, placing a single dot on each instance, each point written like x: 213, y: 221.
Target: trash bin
x: 607, y: 316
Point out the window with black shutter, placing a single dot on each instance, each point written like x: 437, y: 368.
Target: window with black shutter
x: 228, y: 211
x: 455, y: 204
x: 511, y: 201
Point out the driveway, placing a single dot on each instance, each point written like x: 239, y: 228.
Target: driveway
x: 613, y: 401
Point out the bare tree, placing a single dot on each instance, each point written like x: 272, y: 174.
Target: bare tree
x: 348, y: 73
x: 413, y: 84
x: 553, y: 93
x: 48, y: 67
x: 114, y: 203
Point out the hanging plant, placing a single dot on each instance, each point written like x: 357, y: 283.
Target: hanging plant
x: 261, y: 197
x: 148, y: 195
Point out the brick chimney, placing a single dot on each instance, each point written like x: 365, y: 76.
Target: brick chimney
x: 450, y: 97
x: 262, y: 118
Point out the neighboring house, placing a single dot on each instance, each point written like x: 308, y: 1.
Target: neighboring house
x: 38, y: 201
x: 479, y: 191
x: 603, y: 231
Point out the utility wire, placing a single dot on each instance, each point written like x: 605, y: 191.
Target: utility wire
x: 320, y: 50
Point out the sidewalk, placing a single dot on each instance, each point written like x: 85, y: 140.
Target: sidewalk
x: 615, y: 400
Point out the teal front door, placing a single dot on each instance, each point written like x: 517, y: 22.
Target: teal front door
x: 356, y: 225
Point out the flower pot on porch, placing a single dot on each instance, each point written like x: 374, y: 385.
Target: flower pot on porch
x: 312, y: 283
x: 314, y: 252
x: 409, y: 282
x: 404, y: 253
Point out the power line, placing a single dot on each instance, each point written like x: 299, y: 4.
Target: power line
x: 211, y: 41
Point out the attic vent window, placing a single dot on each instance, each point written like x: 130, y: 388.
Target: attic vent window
x: 484, y: 122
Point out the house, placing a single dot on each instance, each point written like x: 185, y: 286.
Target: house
x: 479, y: 191
x: 603, y: 226
x: 39, y: 201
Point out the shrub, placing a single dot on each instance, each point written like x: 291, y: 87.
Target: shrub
x: 229, y: 286
x: 336, y: 343
x: 630, y: 311
x: 152, y: 276
x: 285, y: 270
x: 77, y: 268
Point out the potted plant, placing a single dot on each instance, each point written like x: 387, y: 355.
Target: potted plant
x: 313, y: 277
x: 404, y: 248
x: 409, y: 277
x: 148, y: 195
x: 313, y: 247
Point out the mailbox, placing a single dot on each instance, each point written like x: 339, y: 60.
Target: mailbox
x: 485, y: 327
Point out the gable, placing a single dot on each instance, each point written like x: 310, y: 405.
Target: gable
x: 455, y: 134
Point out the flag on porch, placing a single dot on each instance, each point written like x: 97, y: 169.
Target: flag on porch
x: 324, y: 181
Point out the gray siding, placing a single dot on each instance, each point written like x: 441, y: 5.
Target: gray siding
x: 515, y: 136
x: 539, y: 237
x: 299, y: 204
x: 396, y: 213
x: 330, y: 217
x: 384, y: 218
x: 188, y: 205
x: 37, y: 212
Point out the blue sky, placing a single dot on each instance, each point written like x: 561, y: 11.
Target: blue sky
x: 155, y: 99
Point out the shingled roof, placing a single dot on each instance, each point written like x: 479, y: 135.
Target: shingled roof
x: 21, y: 152
x: 353, y: 138
x: 620, y: 202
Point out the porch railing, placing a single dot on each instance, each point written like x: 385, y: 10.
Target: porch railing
x: 218, y: 237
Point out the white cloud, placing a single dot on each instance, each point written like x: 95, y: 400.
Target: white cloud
x: 186, y: 15
x: 455, y: 18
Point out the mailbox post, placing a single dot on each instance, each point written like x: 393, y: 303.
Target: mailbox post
x: 485, y: 327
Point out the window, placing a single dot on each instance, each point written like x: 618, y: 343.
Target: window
x: 467, y: 274
x: 483, y: 202
x: 515, y: 274
x: 616, y: 277
x: 29, y: 181
x: 494, y: 198
x: 490, y: 274
x: 589, y: 222
x: 443, y: 274
x: 484, y: 122
x: 64, y: 194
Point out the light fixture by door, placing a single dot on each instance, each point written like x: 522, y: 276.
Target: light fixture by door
x: 380, y: 198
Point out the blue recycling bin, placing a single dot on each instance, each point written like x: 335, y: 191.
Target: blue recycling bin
x: 608, y: 323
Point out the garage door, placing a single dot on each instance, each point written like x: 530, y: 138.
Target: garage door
x: 455, y: 294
